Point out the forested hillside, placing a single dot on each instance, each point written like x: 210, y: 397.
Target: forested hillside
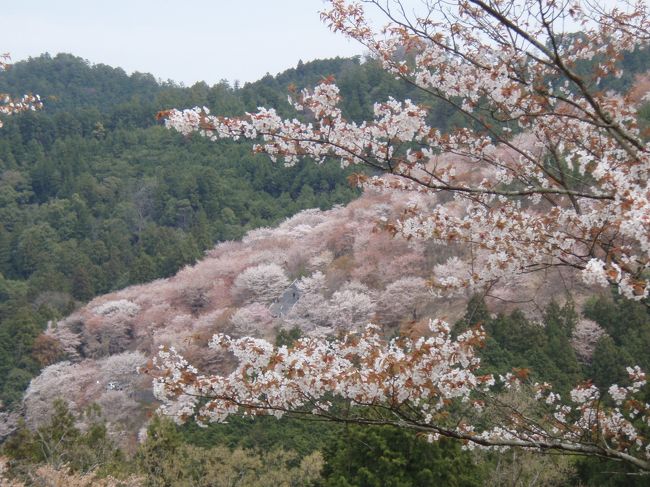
x: 96, y: 196
x: 345, y: 272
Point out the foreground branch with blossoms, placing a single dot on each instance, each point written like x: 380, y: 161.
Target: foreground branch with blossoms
x: 551, y: 170
x: 432, y: 385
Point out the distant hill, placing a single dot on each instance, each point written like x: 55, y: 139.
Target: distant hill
x: 69, y: 82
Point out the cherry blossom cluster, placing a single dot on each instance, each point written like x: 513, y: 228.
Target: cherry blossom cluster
x: 361, y: 368
x: 572, y: 191
x: 550, y: 170
x: 10, y: 105
x: 117, y: 307
x: 430, y: 384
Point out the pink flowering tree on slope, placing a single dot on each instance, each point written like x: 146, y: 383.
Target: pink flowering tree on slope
x: 10, y: 105
x: 550, y: 171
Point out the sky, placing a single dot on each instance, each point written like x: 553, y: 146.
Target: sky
x: 187, y: 41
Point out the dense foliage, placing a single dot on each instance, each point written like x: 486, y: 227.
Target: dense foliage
x: 96, y: 196
x: 549, y: 171
x: 352, y: 455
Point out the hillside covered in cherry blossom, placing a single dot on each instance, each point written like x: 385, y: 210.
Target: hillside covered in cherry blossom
x: 322, y: 272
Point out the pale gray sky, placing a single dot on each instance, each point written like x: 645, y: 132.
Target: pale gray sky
x: 184, y: 41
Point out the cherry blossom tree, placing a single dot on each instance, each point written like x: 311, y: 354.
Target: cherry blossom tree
x: 10, y: 105
x: 573, y: 192
x: 409, y: 384
x: 402, y: 298
x: 585, y: 338
x: 263, y: 283
x: 312, y: 310
x: 252, y: 318
x: 549, y: 171
x: 351, y: 306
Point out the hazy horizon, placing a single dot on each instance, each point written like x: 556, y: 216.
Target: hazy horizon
x: 200, y: 40
x: 182, y: 83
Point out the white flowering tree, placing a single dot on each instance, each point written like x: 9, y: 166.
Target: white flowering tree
x: 549, y: 171
x: 352, y: 306
x: 402, y: 298
x: 263, y: 283
x: 10, y: 105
